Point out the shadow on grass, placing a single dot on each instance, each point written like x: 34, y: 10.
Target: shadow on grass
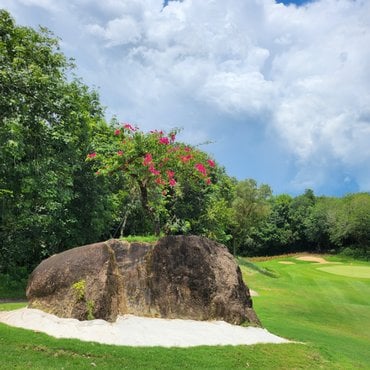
x: 252, y: 266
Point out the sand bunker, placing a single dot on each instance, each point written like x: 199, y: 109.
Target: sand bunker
x: 139, y: 331
x: 312, y: 259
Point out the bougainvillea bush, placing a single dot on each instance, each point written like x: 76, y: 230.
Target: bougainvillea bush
x: 169, y: 179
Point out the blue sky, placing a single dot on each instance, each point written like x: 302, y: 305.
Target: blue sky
x: 282, y: 90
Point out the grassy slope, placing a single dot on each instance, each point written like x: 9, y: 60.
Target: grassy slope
x: 329, y: 312
x: 25, y: 349
x: 306, y: 304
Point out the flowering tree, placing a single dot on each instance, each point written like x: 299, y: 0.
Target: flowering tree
x: 157, y: 169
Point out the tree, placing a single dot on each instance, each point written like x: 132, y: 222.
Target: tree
x: 349, y: 221
x: 317, y: 225
x: 274, y: 235
x: 299, y: 211
x: 250, y: 209
x: 216, y: 222
x: 169, y: 179
x: 49, y: 198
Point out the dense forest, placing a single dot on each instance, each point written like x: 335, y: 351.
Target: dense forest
x: 68, y: 177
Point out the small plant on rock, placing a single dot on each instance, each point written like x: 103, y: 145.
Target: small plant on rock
x: 79, y: 289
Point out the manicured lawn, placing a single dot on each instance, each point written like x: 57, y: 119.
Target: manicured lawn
x: 28, y: 350
x: 330, y: 313
x: 306, y: 303
x: 348, y: 270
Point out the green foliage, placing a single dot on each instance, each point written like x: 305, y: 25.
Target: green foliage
x: 79, y: 289
x: 350, y: 221
x: 49, y: 198
x: 166, y: 181
x: 317, y: 224
x: 309, y: 223
x: 141, y: 238
x: 250, y: 208
x: 216, y: 222
x: 13, y: 285
x: 356, y: 252
x: 90, y: 309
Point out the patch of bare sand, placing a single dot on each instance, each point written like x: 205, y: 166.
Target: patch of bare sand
x: 135, y: 331
x: 312, y: 259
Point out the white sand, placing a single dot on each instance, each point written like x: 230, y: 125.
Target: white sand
x: 312, y: 259
x: 139, y: 331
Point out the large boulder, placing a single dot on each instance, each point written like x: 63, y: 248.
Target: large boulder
x: 186, y: 277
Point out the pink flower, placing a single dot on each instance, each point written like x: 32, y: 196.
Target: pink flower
x: 128, y: 126
x: 172, y: 149
x: 173, y: 137
x: 147, y: 159
x: 91, y: 155
x: 211, y: 163
x: 164, y: 140
x: 170, y: 174
x: 208, y: 181
x: 120, y: 152
x: 186, y: 158
x: 172, y: 182
x: 200, y: 167
x: 154, y: 171
x: 159, y: 181
x: 187, y: 149
x: 117, y: 132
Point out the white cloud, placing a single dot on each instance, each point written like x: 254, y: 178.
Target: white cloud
x: 119, y: 31
x: 302, y: 72
x: 49, y: 5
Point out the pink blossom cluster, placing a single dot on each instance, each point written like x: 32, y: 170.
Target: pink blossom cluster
x: 200, y: 167
x: 182, y: 154
x: 148, y: 162
x: 129, y: 127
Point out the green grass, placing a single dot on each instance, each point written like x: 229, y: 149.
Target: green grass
x: 24, y: 349
x: 329, y: 313
x: 351, y: 271
x: 252, y: 266
x: 12, y: 306
x: 141, y: 239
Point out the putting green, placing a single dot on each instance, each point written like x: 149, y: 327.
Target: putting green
x: 351, y: 271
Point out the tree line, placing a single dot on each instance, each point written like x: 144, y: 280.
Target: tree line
x: 68, y: 177
x: 283, y: 224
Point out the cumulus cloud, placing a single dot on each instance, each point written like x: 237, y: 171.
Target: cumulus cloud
x: 298, y: 74
x: 120, y: 31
